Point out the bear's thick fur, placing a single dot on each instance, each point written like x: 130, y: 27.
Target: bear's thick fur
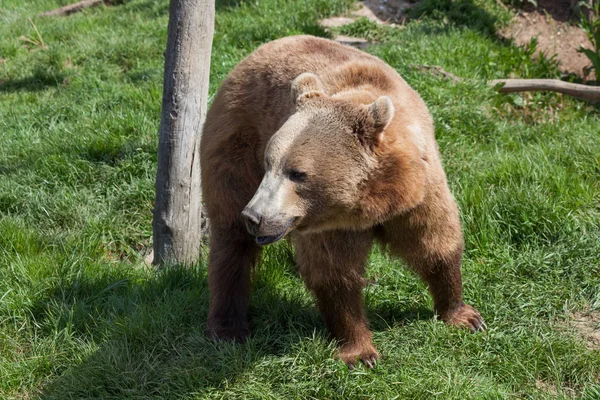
x: 321, y: 140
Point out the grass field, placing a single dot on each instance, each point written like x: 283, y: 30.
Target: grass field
x: 81, y: 315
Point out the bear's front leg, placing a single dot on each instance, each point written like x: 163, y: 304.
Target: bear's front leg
x: 341, y: 305
x: 443, y: 276
x: 429, y: 238
x: 332, y: 265
x: 232, y: 254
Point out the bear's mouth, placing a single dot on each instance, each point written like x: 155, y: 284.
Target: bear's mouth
x: 265, y: 240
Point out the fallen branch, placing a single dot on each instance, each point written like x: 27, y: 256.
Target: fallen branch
x: 554, y: 85
x: 584, y: 92
x: 73, y: 8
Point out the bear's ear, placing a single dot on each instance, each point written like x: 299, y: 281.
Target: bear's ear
x: 305, y: 86
x: 381, y: 112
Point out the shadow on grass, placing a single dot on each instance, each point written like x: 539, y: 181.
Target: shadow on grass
x: 560, y: 10
x: 37, y: 82
x: 225, y: 4
x: 458, y: 13
x: 110, y: 151
x: 446, y: 13
x: 146, y: 338
x: 430, y: 18
x: 382, y: 318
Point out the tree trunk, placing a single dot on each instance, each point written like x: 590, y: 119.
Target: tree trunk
x: 178, y: 222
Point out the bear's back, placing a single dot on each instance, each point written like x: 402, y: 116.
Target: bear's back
x: 255, y: 99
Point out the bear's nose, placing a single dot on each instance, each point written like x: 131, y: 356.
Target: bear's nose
x: 252, y: 220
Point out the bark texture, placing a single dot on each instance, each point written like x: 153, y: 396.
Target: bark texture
x: 178, y: 224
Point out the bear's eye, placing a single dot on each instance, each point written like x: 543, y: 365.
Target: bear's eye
x: 296, y: 176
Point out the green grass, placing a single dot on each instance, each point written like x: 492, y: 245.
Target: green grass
x: 82, y: 317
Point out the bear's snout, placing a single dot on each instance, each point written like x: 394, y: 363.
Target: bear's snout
x: 252, y: 219
x: 266, y: 230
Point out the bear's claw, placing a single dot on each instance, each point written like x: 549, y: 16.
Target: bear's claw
x: 465, y: 316
x: 366, y: 353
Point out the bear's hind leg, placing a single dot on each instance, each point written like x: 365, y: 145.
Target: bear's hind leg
x: 332, y: 266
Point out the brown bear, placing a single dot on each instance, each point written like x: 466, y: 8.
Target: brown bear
x: 310, y: 137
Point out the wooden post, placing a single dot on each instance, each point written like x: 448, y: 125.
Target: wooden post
x: 178, y: 222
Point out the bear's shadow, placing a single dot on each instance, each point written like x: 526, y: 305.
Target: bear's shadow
x: 147, y: 337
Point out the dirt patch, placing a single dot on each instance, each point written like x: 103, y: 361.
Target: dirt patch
x: 148, y: 256
x: 388, y: 12
x: 334, y: 22
x: 551, y: 389
x: 377, y: 11
x: 587, y: 325
x: 554, y: 24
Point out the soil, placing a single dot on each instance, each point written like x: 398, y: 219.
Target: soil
x: 551, y: 389
x: 555, y: 25
x: 388, y: 12
x: 553, y: 22
x: 587, y: 325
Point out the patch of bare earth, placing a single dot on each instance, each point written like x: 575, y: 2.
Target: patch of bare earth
x: 554, y: 24
x: 587, y: 324
x: 551, y: 389
x: 388, y: 12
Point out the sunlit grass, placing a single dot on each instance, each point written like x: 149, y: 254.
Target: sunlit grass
x: 81, y: 316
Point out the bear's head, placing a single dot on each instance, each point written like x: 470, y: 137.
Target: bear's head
x: 328, y: 166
